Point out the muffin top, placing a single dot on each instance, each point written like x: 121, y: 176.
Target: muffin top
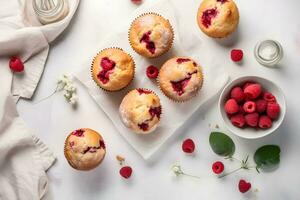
x: 84, y: 149
x: 180, y: 78
x: 113, y: 69
x: 151, y: 35
x: 140, y: 110
x: 218, y: 18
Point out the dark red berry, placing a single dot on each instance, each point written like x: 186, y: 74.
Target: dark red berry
x: 16, y: 64
x: 126, y: 172
x: 236, y: 55
x: 152, y: 71
x: 218, y: 167
x: 188, y: 146
x: 244, y: 186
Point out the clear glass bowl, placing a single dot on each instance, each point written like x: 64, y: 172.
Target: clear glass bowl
x: 268, y: 52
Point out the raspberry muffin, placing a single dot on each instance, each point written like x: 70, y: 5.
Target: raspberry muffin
x: 140, y: 111
x: 84, y: 149
x: 112, y: 69
x: 180, y: 78
x: 151, y: 35
x: 218, y: 18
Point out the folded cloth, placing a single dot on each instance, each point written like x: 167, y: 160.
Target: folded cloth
x: 24, y: 159
x: 174, y: 115
x: 22, y: 35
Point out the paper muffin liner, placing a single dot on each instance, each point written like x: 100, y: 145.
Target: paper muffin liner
x: 69, y: 159
x: 91, y: 70
x: 166, y: 50
x: 159, y: 119
x: 182, y: 101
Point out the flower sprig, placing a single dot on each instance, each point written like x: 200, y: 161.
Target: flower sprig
x: 177, y: 170
x: 65, y: 83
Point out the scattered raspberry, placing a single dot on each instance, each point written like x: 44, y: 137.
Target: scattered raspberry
x: 16, y: 64
x: 136, y: 1
x: 273, y: 110
x: 264, y: 122
x: 261, y: 105
x: 236, y: 55
x: 238, y: 94
x: 188, y: 146
x: 244, y: 186
x: 253, y: 91
x: 249, y: 107
x: 269, y: 97
x: 238, y: 120
x: 231, y: 106
x: 152, y: 72
x: 218, y: 167
x: 125, y: 172
x: 252, y: 119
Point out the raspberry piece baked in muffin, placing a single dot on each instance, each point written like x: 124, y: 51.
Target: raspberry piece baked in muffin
x: 180, y: 78
x: 218, y: 18
x: 113, y: 69
x: 84, y: 149
x: 151, y: 35
x: 140, y: 110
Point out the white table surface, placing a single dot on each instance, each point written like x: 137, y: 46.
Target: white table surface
x: 54, y: 119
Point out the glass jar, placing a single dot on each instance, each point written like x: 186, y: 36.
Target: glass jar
x: 268, y: 52
x: 49, y: 11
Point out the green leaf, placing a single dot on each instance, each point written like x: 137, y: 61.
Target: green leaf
x: 221, y: 144
x: 267, y: 156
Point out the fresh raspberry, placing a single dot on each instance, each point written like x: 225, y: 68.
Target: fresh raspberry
x: 231, y: 106
x: 125, y: 172
x: 247, y: 84
x: 273, y: 110
x: 218, y: 167
x: 261, y: 105
x: 238, y: 120
x: 269, y: 97
x: 249, y: 107
x: 188, y: 146
x: 252, y: 119
x: 238, y: 94
x: 244, y: 186
x: 236, y: 55
x: 136, y: 1
x: 264, y: 122
x: 16, y: 64
x: 152, y: 72
x: 253, y: 91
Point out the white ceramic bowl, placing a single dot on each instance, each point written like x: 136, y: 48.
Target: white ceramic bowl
x: 252, y: 133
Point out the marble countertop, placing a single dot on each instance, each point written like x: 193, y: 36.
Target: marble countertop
x: 53, y: 119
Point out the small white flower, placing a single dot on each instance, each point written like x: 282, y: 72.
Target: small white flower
x: 65, y: 83
x: 177, y: 170
x: 67, y: 95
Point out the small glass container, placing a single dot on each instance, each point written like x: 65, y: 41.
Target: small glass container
x: 49, y: 11
x: 268, y: 52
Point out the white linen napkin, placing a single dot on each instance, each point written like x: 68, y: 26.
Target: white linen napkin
x: 24, y: 159
x: 174, y: 115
